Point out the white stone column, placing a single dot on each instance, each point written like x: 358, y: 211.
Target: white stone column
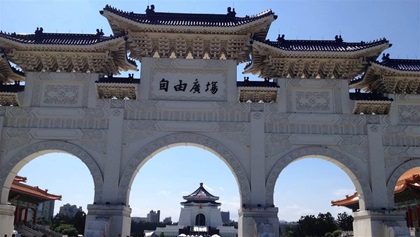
x: 232, y: 88
x: 113, y: 156
x: 378, y: 219
x: 258, y: 188
x: 282, y: 95
x: 145, y: 78
x: 108, y: 220
x: 25, y: 99
x: 6, y: 219
x: 258, y: 222
x: 380, y: 223
x: 347, y: 105
x: 92, y: 92
x: 377, y: 168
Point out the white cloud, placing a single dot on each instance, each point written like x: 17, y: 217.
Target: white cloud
x: 208, y: 188
x: 163, y: 193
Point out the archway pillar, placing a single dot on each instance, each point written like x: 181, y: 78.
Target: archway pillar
x: 380, y: 223
x: 108, y: 220
x: 258, y: 187
x: 258, y: 221
x: 377, y: 169
x: 113, y: 156
x: 6, y: 219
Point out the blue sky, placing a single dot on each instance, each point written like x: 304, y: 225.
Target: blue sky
x: 304, y: 187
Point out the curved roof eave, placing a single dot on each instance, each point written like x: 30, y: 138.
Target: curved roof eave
x: 353, y: 53
x: 264, y: 21
x: 117, y: 41
x: 391, y: 69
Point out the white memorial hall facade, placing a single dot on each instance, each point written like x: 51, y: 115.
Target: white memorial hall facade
x: 188, y: 94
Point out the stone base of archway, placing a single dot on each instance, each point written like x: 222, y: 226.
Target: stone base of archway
x: 258, y: 221
x: 6, y: 219
x: 380, y: 223
x: 108, y: 220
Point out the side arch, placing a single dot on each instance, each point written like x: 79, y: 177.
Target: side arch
x: 358, y: 178
x: 396, y: 174
x: 30, y: 152
x: 153, y: 147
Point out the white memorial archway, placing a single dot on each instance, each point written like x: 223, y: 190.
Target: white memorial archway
x: 189, y: 93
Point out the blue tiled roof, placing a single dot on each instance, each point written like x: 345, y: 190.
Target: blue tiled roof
x: 402, y: 64
x: 188, y: 19
x: 323, y: 45
x: 57, y: 38
x: 201, y: 194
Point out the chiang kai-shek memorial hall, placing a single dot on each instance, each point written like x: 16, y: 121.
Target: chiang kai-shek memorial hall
x: 329, y: 99
x: 200, y: 215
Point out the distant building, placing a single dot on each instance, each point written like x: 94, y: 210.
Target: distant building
x: 225, y: 217
x: 200, y: 215
x: 46, y: 209
x: 167, y: 220
x: 153, y: 216
x: 69, y: 210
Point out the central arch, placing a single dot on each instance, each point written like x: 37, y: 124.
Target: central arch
x: 30, y: 152
x: 168, y: 141
x: 358, y: 178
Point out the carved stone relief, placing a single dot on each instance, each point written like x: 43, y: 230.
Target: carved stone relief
x: 373, y: 119
x: 394, y: 155
x: 313, y: 101
x: 61, y: 95
x: 95, y: 140
x: 135, y: 130
x: 276, y: 144
x: 307, y: 128
x: 180, y: 115
x: 409, y: 114
x: 236, y: 132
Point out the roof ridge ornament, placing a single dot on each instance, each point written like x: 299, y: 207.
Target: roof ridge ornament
x: 231, y: 12
x: 385, y: 57
x: 38, y: 32
x: 338, y: 39
x: 150, y: 10
x: 99, y: 33
x: 280, y: 38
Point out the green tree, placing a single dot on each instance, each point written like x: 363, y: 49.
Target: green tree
x: 345, y: 221
x: 290, y: 231
x: 316, y: 226
x: 66, y: 229
x: 337, y: 233
x: 79, y: 221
